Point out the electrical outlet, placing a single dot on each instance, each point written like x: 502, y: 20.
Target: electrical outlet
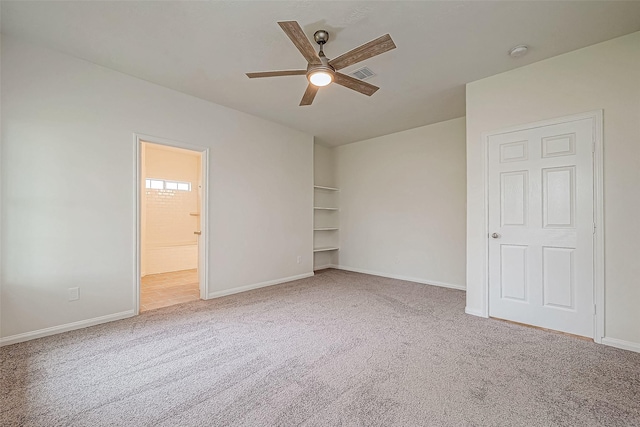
x: 299, y: 259
x: 74, y: 294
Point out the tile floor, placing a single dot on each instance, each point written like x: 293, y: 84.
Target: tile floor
x: 162, y: 290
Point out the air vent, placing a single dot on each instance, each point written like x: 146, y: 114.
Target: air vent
x: 363, y: 73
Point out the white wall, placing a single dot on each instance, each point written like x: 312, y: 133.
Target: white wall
x: 68, y: 182
x: 1, y: 185
x: 402, y: 204
x: 324, y: 165
x: 604, y: 76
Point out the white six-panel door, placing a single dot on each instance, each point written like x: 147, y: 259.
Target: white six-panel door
x: 541, y: 220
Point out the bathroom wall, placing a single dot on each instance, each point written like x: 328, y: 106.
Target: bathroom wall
x: 171, y: 215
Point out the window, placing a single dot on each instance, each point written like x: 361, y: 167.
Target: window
x: 163, y: 184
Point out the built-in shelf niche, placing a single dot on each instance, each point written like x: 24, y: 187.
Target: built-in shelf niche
x: 325, y: 225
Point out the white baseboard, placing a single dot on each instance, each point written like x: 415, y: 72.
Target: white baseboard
x: 218, y: 294
x: 474, y: 312
x: 13, y: 339
x: 625, y: 345
x: 324, y: 267
x: 406, y: 278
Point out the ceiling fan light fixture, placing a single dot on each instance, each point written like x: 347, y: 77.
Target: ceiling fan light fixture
x: 320, y: 70
x: 320, y: 75
x: 320, y: 78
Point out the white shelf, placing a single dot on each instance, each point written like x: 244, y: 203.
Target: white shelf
x: 320, y: 187
x: 324, y: 209
x: 325, y: 229
x: 325, y: 249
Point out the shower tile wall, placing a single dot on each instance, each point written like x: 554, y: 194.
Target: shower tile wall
x: 170, y: 216
x: 170, y: 227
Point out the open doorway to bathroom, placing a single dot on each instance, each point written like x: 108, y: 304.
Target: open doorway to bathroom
x: 170, y: 225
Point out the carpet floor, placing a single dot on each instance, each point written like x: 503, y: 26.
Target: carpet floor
x: 335, y: 349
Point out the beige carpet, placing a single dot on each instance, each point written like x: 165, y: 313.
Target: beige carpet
x: 336, y: 349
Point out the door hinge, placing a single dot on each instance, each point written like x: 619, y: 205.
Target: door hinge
x: 594, y: 228
x: 594, y: 309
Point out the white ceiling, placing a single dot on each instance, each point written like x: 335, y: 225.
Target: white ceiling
x: 204, y: 49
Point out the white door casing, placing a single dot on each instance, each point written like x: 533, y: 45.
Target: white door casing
x: 203, y: 239
x: 541, y: 226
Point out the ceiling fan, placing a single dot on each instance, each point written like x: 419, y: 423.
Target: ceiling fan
x: 322, y: 71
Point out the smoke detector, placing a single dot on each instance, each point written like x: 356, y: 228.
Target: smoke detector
x: 518, y: 51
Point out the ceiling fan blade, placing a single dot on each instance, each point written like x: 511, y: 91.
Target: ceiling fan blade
x: 297, y: 36
x: 277, y: 73
x: 366, y: 51
x: 309, y: 94
x: 355, y: 84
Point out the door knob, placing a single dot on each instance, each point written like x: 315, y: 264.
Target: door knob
x: 495, y: 235
x: 197, y: 232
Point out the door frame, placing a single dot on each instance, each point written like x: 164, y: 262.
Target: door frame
x: 598, y: 210
x: 203, y: 243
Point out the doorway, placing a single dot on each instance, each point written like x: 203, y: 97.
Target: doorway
x: 542, y: 214
x: 171, y: 223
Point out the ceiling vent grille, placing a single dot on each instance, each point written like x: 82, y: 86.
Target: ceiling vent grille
x: 363, y: 73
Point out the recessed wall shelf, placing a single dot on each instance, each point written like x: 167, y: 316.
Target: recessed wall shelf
x: 326, y: 237
x: 320, y: 187
x: 325, y: 249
